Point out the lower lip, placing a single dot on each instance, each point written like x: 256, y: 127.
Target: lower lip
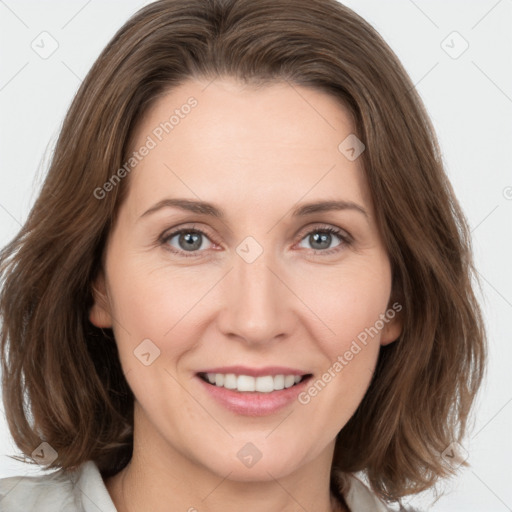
x: 254, y: 403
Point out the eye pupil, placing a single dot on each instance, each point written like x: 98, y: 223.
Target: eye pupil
x: 321, y: 239
x: 192, y: 241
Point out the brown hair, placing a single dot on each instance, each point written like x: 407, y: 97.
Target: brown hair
x: 62, y: 379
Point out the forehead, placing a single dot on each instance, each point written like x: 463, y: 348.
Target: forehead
x: 244, y: 145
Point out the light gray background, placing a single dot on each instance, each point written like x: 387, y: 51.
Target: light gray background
x: 469, y: 99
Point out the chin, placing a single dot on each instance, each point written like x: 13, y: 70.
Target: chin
x: 248, y: 464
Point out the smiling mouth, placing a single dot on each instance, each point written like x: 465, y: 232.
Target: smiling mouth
x: 248, y: 383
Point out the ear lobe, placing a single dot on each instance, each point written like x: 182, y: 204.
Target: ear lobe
x: 393, y: 327
x: 99, y: 314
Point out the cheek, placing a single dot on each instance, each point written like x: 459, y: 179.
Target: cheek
x: 349, y: 301
x: 351, y: 308
x: 156, y: 302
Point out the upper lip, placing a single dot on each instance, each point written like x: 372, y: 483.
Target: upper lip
x: 255, y: 372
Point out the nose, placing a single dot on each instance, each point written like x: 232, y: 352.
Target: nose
x: 256, y: 306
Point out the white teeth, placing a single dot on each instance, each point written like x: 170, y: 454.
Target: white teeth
x: 289, y: 381
x: 230, y: 381
x: 246, y: 383
x: 279, y: 382
x: 265, y: 384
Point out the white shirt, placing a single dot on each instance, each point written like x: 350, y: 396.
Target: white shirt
x: 83, y: 490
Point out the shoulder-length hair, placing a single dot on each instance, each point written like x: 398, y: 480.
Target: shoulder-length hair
x: 62, y: 379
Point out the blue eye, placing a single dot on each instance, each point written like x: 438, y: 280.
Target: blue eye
x: 190, y: 242
x: 323, y: 237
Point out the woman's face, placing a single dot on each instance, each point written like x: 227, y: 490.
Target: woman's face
x: 263, y: 287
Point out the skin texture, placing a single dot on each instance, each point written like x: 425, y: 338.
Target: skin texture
x: 257, y: 154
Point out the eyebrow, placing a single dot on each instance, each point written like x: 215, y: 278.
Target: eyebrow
x: 205, y: 208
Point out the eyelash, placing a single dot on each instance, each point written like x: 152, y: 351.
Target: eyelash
x: 346, y: 240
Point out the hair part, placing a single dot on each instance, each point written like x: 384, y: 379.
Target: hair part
x: 62, y: 379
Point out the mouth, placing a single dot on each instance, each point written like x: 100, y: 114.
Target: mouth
x: 243, y: 383
x: 253, y: 392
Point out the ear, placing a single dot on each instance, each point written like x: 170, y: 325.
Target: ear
x: 100, y: 314
x: 394, y: 324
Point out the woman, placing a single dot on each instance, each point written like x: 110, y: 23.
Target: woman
x: 246, y: 277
